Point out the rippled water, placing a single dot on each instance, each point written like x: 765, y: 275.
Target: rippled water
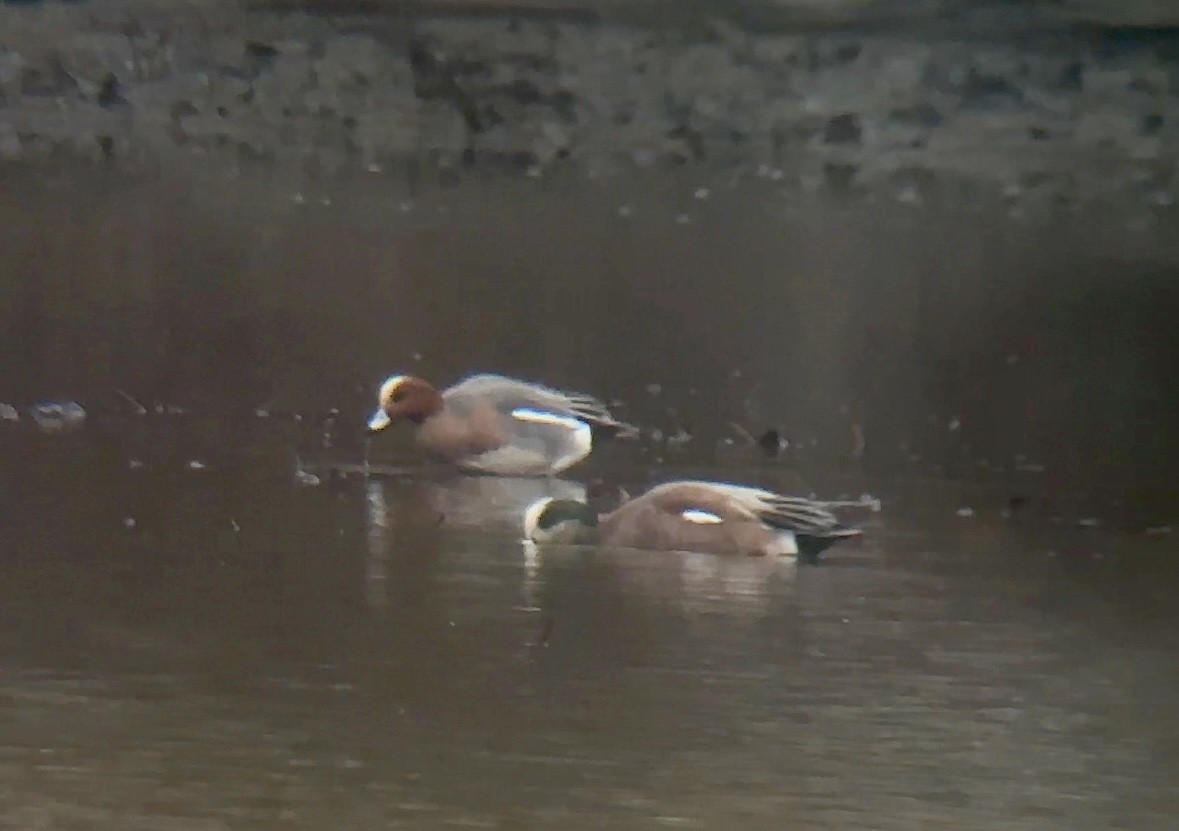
x: 386, y: 653
x: 211, y: 646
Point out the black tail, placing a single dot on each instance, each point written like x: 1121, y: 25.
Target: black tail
x: 603, y: 430
x: 811, y: 548
x: 601, y: 421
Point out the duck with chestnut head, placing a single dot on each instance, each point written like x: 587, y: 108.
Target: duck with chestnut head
x: 493, y: 424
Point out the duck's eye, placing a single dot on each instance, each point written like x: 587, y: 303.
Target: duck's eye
x: 398, y: 396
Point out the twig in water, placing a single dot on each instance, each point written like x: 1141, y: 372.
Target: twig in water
x: 742, y: 433
x: 139, y: 408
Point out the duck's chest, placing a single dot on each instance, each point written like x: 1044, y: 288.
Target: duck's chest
x: 451, y: 435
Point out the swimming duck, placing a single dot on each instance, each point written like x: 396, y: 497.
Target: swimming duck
x: 706, y: 517
x: 492, y: 424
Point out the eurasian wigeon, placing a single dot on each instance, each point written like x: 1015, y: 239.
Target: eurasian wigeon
x: 492, y: 424
x: 705, y: 517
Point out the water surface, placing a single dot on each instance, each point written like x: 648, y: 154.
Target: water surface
x: 386, y: 653
x: 214, y: 646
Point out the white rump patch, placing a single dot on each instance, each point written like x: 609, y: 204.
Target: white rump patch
x: 701, y: 517
x: 544, y: 417
x: 574, y: 442
x: 784, y: 545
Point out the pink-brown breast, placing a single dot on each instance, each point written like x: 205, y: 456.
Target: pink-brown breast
x: 451, y: 437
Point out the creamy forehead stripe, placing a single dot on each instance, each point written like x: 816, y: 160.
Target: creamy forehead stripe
x: 532, y: 515
x: 700, y: 517
x: 543, y: 417
x: 386, y: 391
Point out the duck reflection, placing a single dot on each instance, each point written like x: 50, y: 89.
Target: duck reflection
x: 699, y: 583
x: 693, y: 583
x: 406, y: 517
x: 399, y: 511
x: 532, y: 584
x: 480, y: 501
x: 377, y: 533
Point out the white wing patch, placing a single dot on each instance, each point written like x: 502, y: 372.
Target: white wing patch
x: 543, y: 417
x: 701, y: 517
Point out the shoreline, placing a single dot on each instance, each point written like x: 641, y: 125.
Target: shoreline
x: 1071, y: 120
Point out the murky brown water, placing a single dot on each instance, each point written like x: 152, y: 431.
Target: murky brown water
x: 248, y: 653
x: 955, y: 338
x: 342, y: 660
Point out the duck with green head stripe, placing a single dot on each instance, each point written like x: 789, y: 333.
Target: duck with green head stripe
x: 706, y: 517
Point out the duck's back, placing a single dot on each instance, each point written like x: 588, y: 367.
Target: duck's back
x: 495, y: 391
x: 539, y: 436
x: 643, y: 525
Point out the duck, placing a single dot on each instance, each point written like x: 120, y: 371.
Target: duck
x: 695, y: 516
x: 492, y: 424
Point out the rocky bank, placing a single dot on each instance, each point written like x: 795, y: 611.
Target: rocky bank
x: 1071, y: 115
